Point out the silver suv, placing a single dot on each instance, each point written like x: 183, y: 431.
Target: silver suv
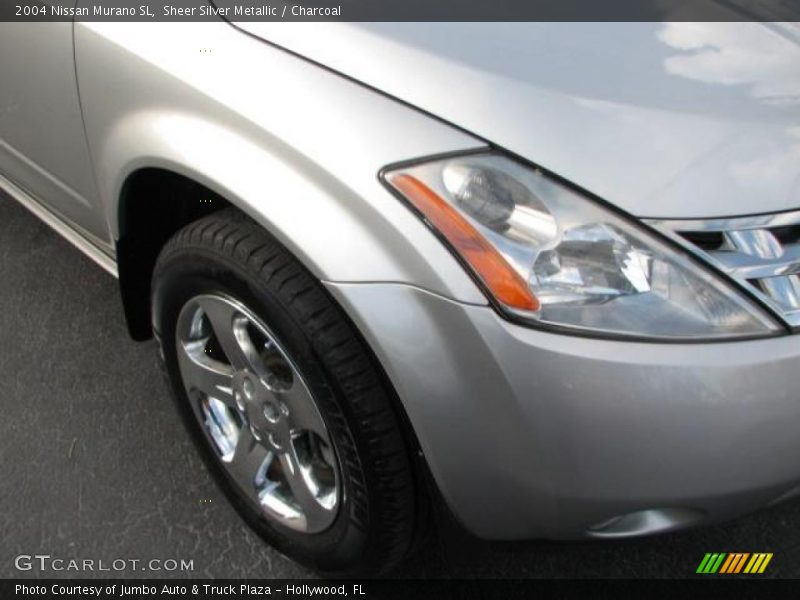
x: 548, y: 273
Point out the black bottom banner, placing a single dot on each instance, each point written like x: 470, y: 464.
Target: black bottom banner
x: 411, y: 589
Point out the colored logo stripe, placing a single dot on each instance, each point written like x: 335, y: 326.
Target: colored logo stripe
x: 758, y: 563
x: 711, y: 563
x: 734, y: 562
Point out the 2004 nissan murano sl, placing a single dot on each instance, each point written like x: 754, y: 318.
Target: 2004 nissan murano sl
x: 546, y: 272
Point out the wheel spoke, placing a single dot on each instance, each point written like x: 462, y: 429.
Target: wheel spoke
x: 201, y: 373
x: 303, y: 413
x: 246, y: 461
x: 315, y: 514
x: 230, y: 329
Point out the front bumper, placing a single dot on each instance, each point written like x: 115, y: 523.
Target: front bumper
x: 531, y: 434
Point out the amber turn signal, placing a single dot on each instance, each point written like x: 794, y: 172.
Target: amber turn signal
x: 500, y: 278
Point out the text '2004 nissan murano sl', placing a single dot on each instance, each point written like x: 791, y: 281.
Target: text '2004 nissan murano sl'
x: 546, y: 272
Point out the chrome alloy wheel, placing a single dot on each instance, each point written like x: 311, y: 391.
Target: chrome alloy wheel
x: 258, y: 413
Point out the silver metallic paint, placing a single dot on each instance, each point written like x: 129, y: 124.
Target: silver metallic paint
x: 43, y: 148
x: 296, y: 147
x: 535, y: 434
x: 666, y: 120
x: 564, y: 433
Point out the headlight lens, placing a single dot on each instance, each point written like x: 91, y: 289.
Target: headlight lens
x: 550, y: 255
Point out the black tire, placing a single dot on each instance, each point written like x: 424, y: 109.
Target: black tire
x: 377, y: 520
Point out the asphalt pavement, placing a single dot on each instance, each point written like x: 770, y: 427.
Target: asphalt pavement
x: 94, y: 463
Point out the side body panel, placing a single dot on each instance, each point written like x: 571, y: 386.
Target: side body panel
x: 43, y: 147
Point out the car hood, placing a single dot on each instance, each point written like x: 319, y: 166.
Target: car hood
x: 665, y: 120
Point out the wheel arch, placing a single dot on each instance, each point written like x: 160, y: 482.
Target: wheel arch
x: 335, y: 231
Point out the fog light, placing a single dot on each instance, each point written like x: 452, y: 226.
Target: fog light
x: 646, y: 522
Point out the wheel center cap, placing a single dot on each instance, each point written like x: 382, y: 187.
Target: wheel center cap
x: 265, y: 415
x: 245, y: 389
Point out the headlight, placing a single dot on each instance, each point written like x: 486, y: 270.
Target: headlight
x: 547, y: 254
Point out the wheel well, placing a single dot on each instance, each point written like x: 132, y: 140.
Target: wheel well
x: 154, y: 205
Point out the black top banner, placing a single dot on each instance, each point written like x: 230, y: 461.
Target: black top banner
x: 400, y: 10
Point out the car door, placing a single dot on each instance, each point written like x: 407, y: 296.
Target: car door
x: 43, y: 147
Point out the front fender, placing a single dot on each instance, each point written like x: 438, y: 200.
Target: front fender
x: 295, y: 146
